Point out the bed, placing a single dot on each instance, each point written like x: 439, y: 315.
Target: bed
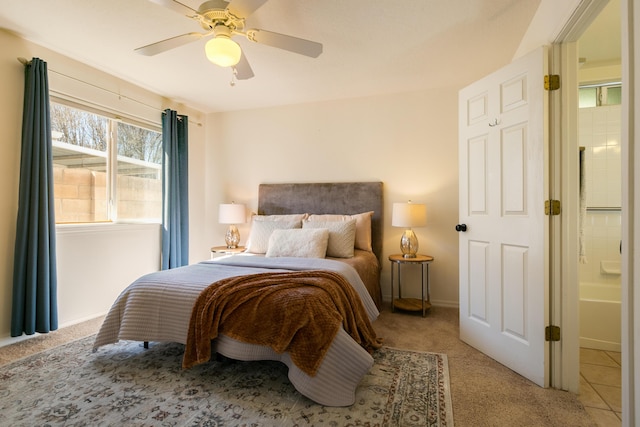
x: 160, y: 306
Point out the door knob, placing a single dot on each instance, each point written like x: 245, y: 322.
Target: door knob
x: 461, y: 227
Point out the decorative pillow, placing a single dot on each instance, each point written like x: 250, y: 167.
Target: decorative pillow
x: 289, y: 217
x: 342, y: 235
x: 309, y: 243
x: 258, y: 241
x: 363, y: 227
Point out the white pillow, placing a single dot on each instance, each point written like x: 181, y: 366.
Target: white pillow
x: 363, y: 227
x: 342, y: 236
x: 258, y: 241
x: 309, y: 243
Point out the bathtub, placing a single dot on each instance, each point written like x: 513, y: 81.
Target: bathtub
x: 600, y: 311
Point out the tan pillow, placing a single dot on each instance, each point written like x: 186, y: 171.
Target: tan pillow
x: 258, y: 241
x: 301, y: 243
x: 363, y: 227
x: 342, y: 236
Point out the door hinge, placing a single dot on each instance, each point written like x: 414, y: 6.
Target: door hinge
x: 552, y: 82
x: 552, y: 207
x: 552, y: 333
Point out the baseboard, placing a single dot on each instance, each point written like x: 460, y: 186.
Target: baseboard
x: 81, y: 320
x: 4, y: 341
x: 600, y: 345
x: 13, y: 340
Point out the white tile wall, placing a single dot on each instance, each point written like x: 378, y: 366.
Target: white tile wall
x: 600, y: 133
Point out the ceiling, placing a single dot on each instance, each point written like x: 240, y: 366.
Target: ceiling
x: 600, y: 44
x: 370, y: 47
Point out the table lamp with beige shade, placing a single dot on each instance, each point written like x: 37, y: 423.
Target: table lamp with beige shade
x: 409, y: 215
x: 232, y: 214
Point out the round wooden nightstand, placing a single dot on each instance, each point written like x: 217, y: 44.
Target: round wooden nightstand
x: 411, y: 304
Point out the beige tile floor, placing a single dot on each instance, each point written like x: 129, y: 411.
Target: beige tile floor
x: 600, y: 386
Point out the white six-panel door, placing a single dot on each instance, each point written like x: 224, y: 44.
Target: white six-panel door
x: 503, y: 179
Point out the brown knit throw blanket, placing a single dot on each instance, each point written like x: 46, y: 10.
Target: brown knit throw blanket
x: 300, y: 312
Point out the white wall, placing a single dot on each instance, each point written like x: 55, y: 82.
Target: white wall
x: 599, y: 131
x: 408, y: 141
x: 11, y: 87
x: 94, y: 262
x: 94, y: 267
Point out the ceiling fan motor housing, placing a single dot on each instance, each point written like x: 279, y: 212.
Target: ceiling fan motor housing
x: 214, y: 13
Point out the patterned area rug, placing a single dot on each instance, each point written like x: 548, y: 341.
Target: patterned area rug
x: 124, y: 384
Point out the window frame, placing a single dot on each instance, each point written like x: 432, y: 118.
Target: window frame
x: 601, y: 98
x: 111, y: 160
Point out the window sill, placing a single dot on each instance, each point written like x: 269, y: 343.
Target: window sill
x: 105, y: 227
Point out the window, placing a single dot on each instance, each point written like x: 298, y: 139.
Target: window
x: 599, y: 95
x: 104, y: 169
x: 588, y: 96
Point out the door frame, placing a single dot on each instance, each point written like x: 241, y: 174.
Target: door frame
x: 630, y: 215
x: 564, y: 183
x: 565, y: 284
x: 564, y: 186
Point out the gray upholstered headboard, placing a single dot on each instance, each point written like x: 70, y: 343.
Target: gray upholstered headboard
x: 347, y: 198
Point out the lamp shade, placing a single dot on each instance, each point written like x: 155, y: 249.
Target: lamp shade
x: 223, y: 51
x: 232, y: 213
x: 409, y: 215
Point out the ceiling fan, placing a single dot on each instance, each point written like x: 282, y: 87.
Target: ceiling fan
x: 224, y: 20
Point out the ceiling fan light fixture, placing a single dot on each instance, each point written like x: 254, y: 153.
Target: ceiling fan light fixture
x: 223, y: 51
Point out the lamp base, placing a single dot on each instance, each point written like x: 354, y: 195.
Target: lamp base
x: 409, y: 244
x: 232, y: 237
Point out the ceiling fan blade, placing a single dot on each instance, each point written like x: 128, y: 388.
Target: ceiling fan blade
x: 282, y: 41
x: 243, y: 69
x: 168, y: 44
x: 244, y: 8
x: 176, y: 6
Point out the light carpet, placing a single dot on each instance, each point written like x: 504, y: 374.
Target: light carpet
x: 124, y: 384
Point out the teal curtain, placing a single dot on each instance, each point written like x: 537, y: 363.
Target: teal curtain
x: 175, y: 190
x: 34, y: 306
